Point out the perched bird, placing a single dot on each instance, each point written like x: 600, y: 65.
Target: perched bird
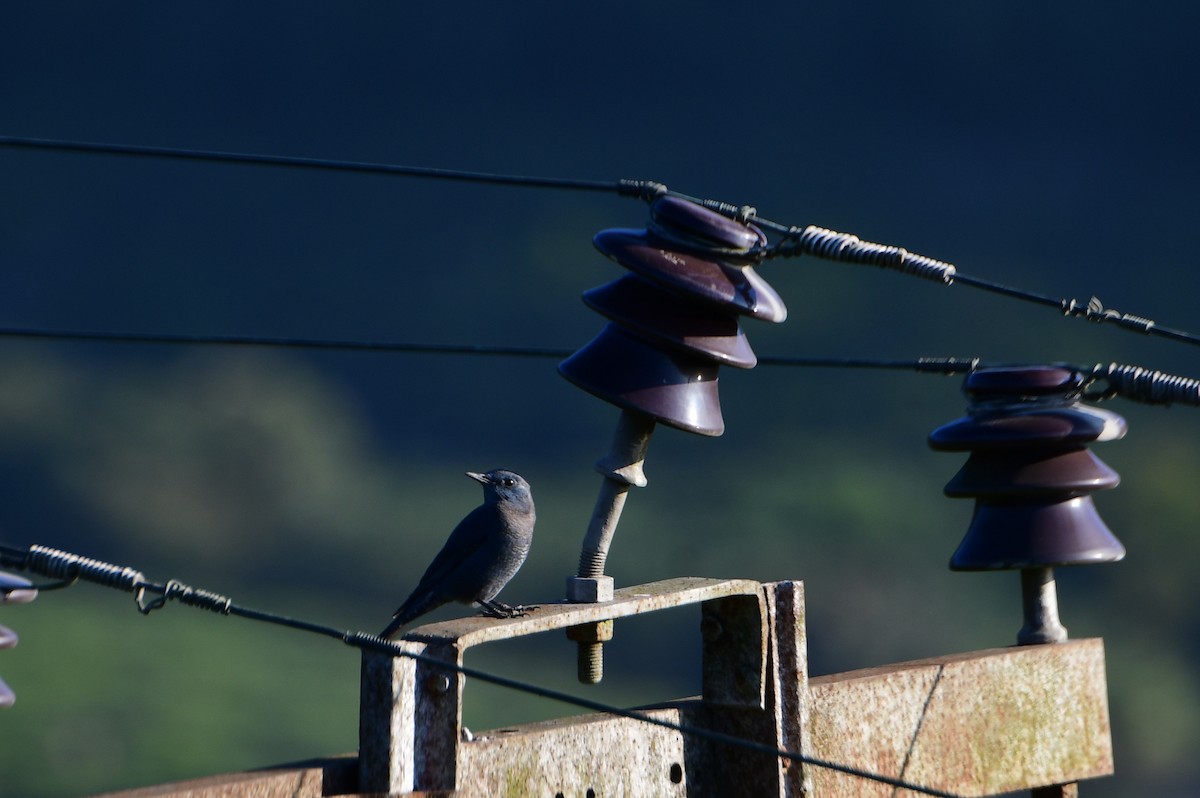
x: 483, y: 552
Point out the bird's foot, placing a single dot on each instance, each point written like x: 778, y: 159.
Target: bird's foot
x: 498, y: 609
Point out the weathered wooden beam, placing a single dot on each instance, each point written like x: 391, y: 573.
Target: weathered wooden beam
x: 981, y: 723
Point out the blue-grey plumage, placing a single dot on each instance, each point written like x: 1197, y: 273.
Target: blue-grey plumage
x: 483, y: 553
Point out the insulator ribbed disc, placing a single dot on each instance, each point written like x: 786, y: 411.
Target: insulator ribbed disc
x: 1016, y: 535
x: 671, y: 387
x: 667, y: 318
x: 737, y: 289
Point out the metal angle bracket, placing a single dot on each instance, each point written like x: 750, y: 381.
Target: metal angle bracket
x: 410, y: 733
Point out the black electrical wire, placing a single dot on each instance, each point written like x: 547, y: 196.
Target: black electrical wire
x: 63, y: 565
x: 1146, y: 385
x: 832, y: 245
x: 188, y: 339
x: 812, y: 240
x: 1130, y: 382
x: 940, y: 365
x: 622, y: 187
x: 930, y: 365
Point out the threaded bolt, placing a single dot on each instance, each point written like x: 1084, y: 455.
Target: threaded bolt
x: 590, y: 662
x: 590, y: 639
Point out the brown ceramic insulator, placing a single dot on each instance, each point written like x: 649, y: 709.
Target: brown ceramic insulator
x: 1021, y: 425
x: 668, y: 319
x: 1007, y: 536
x: 1030, y: 471
x: 1016, y: 381
x: 676, y: 389
x: 686, y: 222
x: 737, y: 289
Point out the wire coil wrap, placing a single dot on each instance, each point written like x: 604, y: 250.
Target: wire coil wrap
x: 192, y: 597
x: 647, y: 190
x: 1095, y: 311
x: 832, y: 245
x: 57, y: 564
x: 1151, y: 387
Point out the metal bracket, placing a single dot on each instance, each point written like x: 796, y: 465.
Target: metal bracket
x: 410, y: 734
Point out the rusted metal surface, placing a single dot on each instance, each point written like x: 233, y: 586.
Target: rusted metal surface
x: 312, y: 779
x: 607, y: 755
x: 788, y: 698
x: 387, y: 721
x: 981, y: 723
x: 733, y: 671
x: 732, y: 647
x: 411, y: 712
x: 438, y: 719
x: 974, y: 724
x: 467, y: 632
x: 625, y: 757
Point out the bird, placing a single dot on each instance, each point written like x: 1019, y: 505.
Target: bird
x: 482, y: 554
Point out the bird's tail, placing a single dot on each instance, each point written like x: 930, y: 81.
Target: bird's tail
x: 395, y: 626
x: 410, y: 610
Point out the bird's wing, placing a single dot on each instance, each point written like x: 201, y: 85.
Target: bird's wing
x: 467, y: 537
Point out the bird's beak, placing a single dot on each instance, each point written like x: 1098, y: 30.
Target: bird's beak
x: 479, y: 477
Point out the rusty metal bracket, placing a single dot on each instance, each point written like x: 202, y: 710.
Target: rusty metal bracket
x: 410, y: 734
x: 972, y: 724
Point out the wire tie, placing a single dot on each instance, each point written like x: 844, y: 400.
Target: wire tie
x: 139, y: 597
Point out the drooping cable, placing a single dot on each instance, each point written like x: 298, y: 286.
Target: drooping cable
x: 811, y: 240
x: 847, y: 248
x: 58, y: 564
x: 1136, y: 383
x: 939, y: 365
x: 628, y: 188
x: 189, y: 339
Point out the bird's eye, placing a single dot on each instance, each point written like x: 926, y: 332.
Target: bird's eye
x: 508, y: 482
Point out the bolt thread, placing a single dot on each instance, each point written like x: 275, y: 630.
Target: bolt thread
x: 591, y: 564
x: 591, y: 662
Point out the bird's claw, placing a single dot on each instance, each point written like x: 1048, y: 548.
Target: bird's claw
x: 495, y: 609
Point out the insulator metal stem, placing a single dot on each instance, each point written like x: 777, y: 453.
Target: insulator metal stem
x: 622, y: 469
x: 1039, y: 597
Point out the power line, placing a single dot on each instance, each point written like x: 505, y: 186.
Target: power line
x: 1131, y: 382
x: 811, y: 240
x: 844, y: 247
x: 938, y: 365
x: 621, y: 187
x: 68, y: 567
x: 267, y: 341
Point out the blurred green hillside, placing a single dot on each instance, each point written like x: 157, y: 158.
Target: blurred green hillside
x: 1046, y: 147
x: 252, y: 475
